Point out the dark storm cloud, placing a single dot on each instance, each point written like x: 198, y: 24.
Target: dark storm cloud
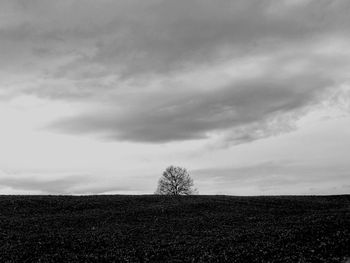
x: 155, y: 36
x: 178, y: 34
x: 108, y: 55
x: 170, y: 116
x: 137, y: 37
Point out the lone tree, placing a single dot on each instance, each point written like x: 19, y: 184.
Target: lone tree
x: 175, y: 181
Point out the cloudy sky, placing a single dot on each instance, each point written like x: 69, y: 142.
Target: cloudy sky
x: 252, y: 97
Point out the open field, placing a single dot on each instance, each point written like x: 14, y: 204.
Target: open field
x: 164, y: 229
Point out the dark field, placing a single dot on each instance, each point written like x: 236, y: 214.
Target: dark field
x: 165, y: 229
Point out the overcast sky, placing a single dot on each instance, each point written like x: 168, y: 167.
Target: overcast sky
x: 252, y: 97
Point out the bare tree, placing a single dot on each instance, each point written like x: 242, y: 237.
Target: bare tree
x: 175, y: 181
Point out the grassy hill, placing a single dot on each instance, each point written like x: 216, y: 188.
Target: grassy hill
x: 165, y: 229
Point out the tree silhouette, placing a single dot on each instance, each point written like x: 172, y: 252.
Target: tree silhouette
x: 175, y: 181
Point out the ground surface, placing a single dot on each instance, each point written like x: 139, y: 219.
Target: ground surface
x: 163, y: 229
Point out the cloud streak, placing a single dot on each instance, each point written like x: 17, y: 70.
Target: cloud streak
x: 66, y: 184
x: 283, y: 177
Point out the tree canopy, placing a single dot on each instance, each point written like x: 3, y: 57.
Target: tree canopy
x: 175, y: 181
